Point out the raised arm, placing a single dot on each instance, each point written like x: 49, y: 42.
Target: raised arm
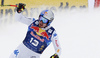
x: 21, y: 18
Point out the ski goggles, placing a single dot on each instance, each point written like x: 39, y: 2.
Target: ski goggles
x: 43, y: 19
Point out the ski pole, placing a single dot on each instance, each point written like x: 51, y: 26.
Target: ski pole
x: 9, y: 5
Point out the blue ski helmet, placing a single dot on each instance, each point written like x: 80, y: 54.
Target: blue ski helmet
x: 47, y: 14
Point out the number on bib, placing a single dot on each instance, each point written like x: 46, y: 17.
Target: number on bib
x: 34, y: 42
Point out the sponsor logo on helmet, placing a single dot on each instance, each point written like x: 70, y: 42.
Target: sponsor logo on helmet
x: 45, y: 13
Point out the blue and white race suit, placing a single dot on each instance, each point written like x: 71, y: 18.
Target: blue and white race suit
x: 36, y: 40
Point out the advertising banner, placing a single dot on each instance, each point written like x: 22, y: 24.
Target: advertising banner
x: 33, y: 7
x: 97, y: 3
x: 56, y: 3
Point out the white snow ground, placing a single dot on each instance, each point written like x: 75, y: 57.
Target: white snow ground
x: 79, y: 35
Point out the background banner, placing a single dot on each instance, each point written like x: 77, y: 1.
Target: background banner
x: 34, y: 7
x: 97, y: 3
x: 56, y: 3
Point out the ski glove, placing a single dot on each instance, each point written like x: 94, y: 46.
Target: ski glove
x: 54, y: 56
x: 20, y: 7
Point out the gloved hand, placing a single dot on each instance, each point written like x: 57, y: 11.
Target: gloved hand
x: 54, y: 56
x: 20, y: 7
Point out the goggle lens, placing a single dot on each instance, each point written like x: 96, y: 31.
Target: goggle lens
x: 44, y: 20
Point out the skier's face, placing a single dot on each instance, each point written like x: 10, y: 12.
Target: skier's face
x: 42, y: 25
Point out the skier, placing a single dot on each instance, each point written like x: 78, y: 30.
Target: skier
x: 39, y: 35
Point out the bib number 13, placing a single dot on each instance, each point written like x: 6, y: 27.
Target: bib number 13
x: 34, y: 42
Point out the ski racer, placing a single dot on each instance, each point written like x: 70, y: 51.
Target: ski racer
x: 39, y: 35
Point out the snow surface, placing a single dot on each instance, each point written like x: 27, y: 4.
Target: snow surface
x: 78, y: 31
